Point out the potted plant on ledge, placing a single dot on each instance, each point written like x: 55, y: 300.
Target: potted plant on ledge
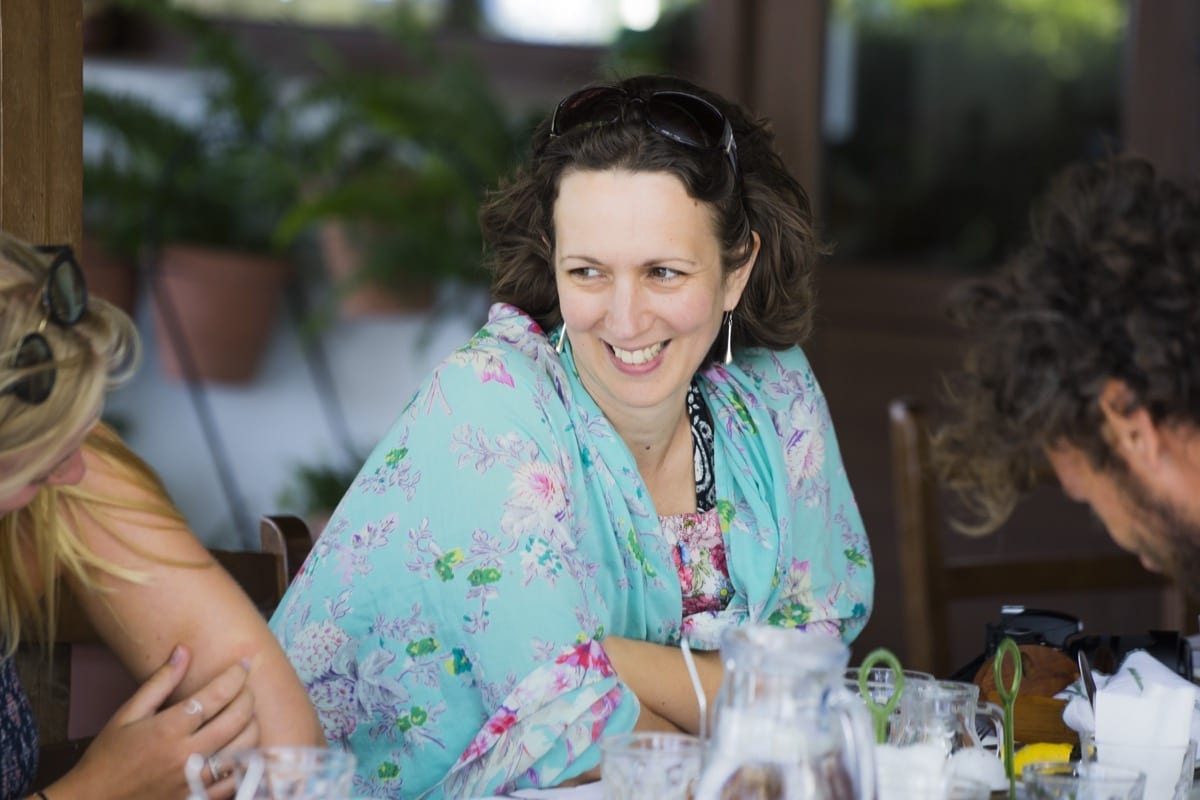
x: 216, y: 191
x: 401, y: 168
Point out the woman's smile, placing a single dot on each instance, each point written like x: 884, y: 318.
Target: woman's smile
x: 642, y: 359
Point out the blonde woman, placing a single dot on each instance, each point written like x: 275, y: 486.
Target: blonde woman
x: 78, y: 507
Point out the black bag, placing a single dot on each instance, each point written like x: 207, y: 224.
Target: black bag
x: 1065, y: 632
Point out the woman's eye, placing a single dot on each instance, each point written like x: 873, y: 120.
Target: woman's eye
x: 584, y: 272
x: 663, y: 273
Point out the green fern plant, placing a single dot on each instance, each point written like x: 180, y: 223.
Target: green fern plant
x: 223, y: 181
x: 404, y: 161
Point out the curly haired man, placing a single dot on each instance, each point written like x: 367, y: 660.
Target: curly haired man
x: 1085, y: 353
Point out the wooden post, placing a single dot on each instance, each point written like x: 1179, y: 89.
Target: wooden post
x: 769, y: 55
x: 41, y: 197
x: 1162, y: 91
x: 41, y: 120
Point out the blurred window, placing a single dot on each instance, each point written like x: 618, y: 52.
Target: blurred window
x: 587, y: 22
x: 945, y: 118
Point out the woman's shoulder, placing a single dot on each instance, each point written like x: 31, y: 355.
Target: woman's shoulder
x: 509, y: 355
x: 507, y: 369
x: 763, y: 372
x: 769, y: 364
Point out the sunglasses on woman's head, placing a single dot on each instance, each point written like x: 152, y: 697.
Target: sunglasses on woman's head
x: 679, y: 116
x: 64, y: 299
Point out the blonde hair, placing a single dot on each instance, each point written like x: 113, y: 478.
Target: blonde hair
x: 90, y: 357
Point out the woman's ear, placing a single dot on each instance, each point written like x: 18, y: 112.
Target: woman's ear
x: 735, y: 281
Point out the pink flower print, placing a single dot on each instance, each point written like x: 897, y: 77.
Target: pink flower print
x: 602, y: 709
x: 562, y: 682
x: 708, y: 535
x: 478, y: 746
x: 493, y: 370
x: 686, y: 577
x: 717, y: 554
x: 501, y: 721
x: 677, y: 556
x: 588, y: 655
x: 536, y: 498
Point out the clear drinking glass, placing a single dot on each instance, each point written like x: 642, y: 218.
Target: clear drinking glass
x: 650, y: 766
x: 881, y: 685
x: 293, y: 773
x: 916, y: 786
x: 1085, y: 780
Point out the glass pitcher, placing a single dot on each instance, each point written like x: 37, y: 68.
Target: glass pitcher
x: 784, y: 726
x: 946, y: 716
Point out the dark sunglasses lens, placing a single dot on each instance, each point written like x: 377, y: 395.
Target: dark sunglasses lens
x: 597, y: 106
x: 32, y: 352
x: 686, y: 119
x: 66, y: 292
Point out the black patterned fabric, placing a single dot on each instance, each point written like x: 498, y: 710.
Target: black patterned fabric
x: 18, y: 735
x: 702, y: 450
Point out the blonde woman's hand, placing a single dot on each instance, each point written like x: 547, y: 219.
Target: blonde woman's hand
x: 141, y: 752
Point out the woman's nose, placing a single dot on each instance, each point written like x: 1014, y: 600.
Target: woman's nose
x: 627, y: 311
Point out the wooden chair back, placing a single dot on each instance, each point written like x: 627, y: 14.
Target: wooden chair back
x: 289, y: 536
x: 931, y: 581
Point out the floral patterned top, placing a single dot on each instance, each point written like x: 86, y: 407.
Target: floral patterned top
x: 18, y: 735
x: 449, y: 624
x: 699, y: 556
x: 697, y: 542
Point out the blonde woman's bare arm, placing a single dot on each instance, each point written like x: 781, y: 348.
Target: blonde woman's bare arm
x: 184, y: 598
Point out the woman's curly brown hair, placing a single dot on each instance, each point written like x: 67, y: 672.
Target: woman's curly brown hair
x: 1108, y: 287
x: 777, y: 305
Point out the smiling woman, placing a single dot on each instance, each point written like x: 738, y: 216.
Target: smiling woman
x: 632, y: 452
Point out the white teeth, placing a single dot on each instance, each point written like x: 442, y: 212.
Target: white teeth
x: 637, y: 356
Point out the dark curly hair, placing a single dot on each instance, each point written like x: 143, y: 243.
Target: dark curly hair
x: 1108, y: 287
x: 777, y: 304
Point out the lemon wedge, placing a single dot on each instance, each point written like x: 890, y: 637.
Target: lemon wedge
x: 1041, y: 751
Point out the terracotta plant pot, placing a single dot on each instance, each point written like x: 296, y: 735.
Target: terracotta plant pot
x: 341, y: 256
x: 226, y: 304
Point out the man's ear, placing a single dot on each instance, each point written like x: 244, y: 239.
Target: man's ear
x: 1071, y: 468
x: 1130, y: 430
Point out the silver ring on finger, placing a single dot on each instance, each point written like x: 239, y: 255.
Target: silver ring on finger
x: 214, y: 768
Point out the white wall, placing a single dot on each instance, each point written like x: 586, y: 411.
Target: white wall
x: 276, y: 422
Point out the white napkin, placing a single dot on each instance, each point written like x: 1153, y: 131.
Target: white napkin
x: 1172, y: 714
x: 1145, y: 718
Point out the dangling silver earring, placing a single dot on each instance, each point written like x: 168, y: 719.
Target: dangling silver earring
x: 728, y: 338
x: 562, y: 340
